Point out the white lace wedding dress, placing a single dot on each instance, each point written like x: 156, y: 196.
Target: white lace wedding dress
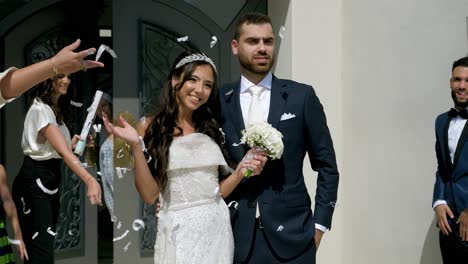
x: 194, y: 224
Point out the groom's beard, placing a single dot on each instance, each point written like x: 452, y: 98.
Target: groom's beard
x: 457, y: 103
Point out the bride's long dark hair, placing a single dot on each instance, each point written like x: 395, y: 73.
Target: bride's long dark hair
x: 163, y: 127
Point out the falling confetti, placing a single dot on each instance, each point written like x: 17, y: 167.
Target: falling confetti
x: 213, y: 42
x: 126, y: 246
x: 121, y: 237
x: 35, y: 235
x: 182, y: 39
x: 49, y: 230
x: 44, y: 189
x: 24, y: 207
x: 233, y: 203
x: 97, y: 128
x: 281, y: 32
x: 76, y: 104
x: 103, y: 48
x: 138, y: 224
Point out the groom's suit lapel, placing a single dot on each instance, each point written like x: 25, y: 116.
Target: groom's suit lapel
x: 445, y: 148
x: 279, y: 95
x: 460, y: 144
x: 232, y: 99
x: 278, y: 98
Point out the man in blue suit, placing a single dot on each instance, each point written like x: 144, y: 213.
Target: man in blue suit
x: 273, y: 221
x: 451, y: 186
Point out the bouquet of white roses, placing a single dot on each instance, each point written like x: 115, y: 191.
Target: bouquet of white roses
x: 264, y: 137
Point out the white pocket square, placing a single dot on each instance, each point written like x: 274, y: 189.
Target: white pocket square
x: 287, y: 116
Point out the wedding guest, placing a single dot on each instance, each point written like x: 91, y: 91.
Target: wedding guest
x: 14, y: 82
x: 450, y: 201
x: 45, y: 143
x: 9, y: 210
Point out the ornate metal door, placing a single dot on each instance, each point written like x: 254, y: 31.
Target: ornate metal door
x: 32, y: 31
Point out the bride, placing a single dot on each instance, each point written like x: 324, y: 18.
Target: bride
x: 187, y: 166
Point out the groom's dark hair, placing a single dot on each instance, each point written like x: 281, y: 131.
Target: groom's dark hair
x: 251, y: 18
x: 460, y: 62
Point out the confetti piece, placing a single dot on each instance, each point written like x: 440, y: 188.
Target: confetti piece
x: 143, y: 120
x: 24, y: 207
x: 119, y: 172
x: 76, y: 104
x: 233, y: 203
x: 280, y: 228
x: 103, y: 48
x: 35, y: 235
x: 138, y: 224
x: 182, y: 39
x: 213, y: 42
x: 97, y: 128
x: 113, y: 218
x: 126, y: 246
x: 281, y: 32
x: 44, y: 189
x: 119, y: 225
x: 49, y: 230
x: 70, y: 232
x: 121, y: 237
x: 120, y: 154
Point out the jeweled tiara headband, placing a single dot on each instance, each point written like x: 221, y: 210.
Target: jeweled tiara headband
x: 195, y: 57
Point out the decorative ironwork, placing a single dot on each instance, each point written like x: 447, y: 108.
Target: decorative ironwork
x: 159, y: 50
x: 70, y: 226
x: 46, y: 45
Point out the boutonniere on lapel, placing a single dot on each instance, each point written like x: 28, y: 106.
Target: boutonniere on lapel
x: 287, y: 116
x: 263, y: 137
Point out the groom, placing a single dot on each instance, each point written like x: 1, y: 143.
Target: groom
x: 273, y: 221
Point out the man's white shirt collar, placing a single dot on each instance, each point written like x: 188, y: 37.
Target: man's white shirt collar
x: 246, y: 84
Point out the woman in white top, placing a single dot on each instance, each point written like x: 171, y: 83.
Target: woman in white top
x: 45, y: 142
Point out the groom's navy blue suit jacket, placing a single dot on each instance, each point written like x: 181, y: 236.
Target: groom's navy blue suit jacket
x: 285, y: 206
x: 451, y: 178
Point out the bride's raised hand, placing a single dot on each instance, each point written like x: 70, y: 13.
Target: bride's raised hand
x: 125, y: 131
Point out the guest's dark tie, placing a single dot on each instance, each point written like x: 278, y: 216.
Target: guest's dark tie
x: 454, y: 113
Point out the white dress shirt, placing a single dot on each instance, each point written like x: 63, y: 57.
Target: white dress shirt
x: 246, y: 99
x: 454, y: 132
x: 34, y: 144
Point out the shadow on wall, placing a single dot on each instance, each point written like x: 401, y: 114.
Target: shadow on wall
x: 431, y: 250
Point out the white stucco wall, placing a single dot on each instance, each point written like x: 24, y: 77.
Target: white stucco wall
x: 381, y: 70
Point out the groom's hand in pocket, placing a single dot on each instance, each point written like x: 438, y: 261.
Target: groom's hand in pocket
x: 317, y: 237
